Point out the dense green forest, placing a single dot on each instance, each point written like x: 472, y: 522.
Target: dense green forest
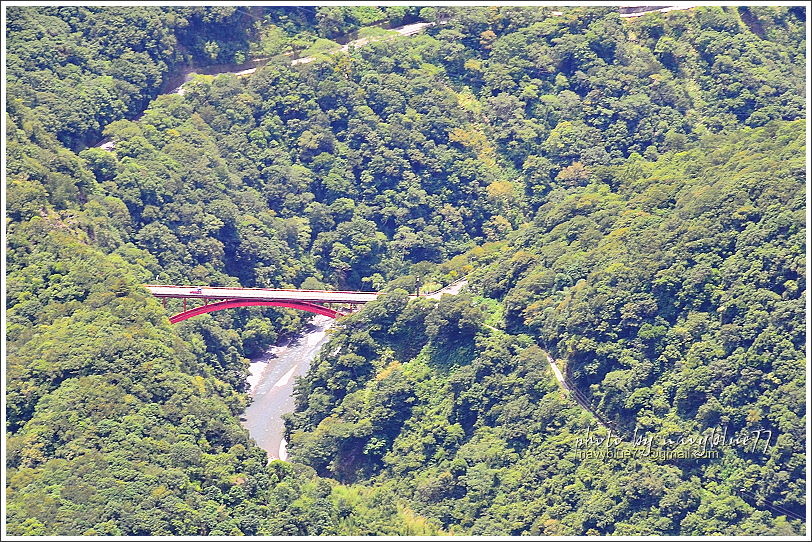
x: 465, y: 420
x: 625, y: 195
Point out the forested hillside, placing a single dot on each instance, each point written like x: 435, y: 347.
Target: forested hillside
x: 117, y: 422
x: 626, y: 195
x: 673, y: 291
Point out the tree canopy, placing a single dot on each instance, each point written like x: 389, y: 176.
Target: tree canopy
x: 625, y: 195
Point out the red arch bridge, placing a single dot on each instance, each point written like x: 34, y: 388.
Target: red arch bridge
x: 217, y: 298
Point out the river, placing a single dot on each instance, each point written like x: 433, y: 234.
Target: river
x: 273, y: 375
x: 272, y: 378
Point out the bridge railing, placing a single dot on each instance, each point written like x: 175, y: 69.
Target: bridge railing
x: 259, y: 289
x: 223, y: 288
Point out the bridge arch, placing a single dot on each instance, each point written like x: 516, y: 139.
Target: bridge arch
x: 234, y: 303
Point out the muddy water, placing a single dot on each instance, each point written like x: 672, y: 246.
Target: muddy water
x: 272, y: 378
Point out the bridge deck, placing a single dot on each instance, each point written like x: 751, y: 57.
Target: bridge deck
x: 261, y: 294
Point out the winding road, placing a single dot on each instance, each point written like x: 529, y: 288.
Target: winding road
x: 252, y: 66
x: 663, y: 9
x: 405, y: 30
